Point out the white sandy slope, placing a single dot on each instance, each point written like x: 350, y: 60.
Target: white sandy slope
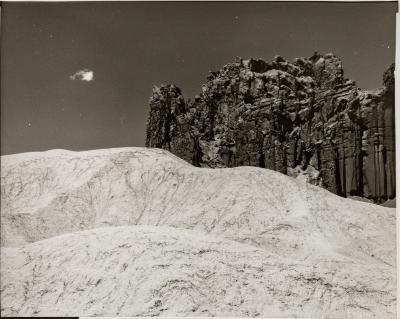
x: 139, y: 232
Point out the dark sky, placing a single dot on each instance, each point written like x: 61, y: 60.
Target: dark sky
x: 131, y: 46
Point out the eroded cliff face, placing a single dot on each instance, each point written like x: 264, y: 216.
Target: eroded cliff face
x: 304, y: 119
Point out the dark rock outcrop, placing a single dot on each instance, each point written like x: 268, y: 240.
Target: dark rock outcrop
x: 303, y: 119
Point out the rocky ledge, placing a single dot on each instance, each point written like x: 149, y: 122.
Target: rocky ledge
x: 303, y: 119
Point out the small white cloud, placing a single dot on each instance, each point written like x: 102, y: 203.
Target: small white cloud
x: 83, y: 75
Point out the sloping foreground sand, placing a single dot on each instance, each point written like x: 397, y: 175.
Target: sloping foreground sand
x: 139, y: 232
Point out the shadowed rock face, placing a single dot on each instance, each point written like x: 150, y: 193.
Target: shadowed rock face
x: 303, y: 119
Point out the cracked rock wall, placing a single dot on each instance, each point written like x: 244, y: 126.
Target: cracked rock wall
x: 303, y: 119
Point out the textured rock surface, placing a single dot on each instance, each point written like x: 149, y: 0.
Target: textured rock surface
x: 137, y: 231
x: 302, y: 119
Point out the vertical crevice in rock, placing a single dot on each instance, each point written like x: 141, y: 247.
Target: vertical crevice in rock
x: 197, y: 154
x: 338, y: 176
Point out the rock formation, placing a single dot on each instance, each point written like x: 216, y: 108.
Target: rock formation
x: 140, y: 232
x: 302, y: 119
